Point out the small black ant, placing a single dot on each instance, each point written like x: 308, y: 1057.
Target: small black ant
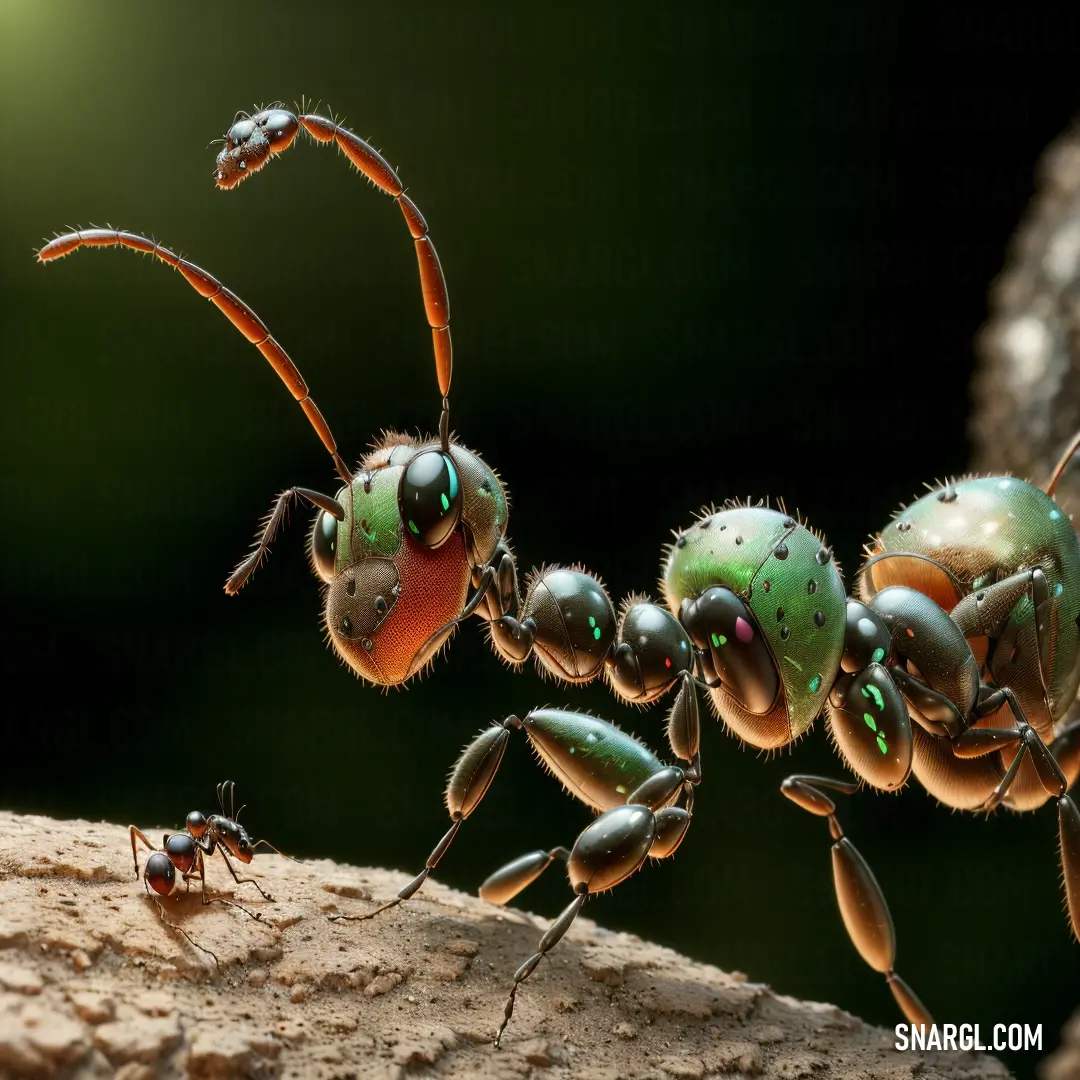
x: 184, y: 853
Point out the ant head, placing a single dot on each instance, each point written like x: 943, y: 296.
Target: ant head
x: 234, y: 838
x: 251, y: 141
x: 160, y: 874
x: 196, y: 824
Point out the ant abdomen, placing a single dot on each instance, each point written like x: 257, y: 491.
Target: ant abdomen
x: 160, y: 873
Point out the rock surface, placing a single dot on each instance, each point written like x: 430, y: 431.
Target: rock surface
x: 96, y: 981
x: 1027, y: 387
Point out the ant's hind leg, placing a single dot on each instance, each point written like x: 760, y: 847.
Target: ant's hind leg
x: 138, y: 834
x: 862, y: 903
x: 502, y: 886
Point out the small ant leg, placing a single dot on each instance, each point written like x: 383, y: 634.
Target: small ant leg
x: 862, y: 903
x: 191, y: 940
x: 269, y: 531
x: 138, y: 834
x: 239, y: 880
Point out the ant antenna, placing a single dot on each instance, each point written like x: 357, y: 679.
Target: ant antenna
x: 1063, y: 461
x: 276, y: 851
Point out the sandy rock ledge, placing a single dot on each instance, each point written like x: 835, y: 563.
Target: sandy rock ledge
x: 93, y: 983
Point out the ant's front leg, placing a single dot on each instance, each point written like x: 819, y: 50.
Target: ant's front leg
x: 471, y: 777
x: 237, y: 878
x: 862, y: 903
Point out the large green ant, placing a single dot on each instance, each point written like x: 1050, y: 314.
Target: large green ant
x: 958, y: 663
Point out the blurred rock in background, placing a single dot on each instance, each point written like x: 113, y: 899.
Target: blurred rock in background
x: 1026, y: 390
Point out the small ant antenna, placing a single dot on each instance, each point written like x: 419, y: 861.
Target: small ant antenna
x: 236, y: 816
x: 276, y: 851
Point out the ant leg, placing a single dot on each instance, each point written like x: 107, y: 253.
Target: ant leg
x: 1055, y: 783
x: 683, y: 727
x: 987, y: 613
x: 1049, y: 772
x: 608, y: 851
x: 471, y: 777
x: 1063, y: 462
x: 138, y: 834
x: 551, y: 938
x: 862, y: 903
x: 239, y: 880
x: 200, y: 873
x: 417, y: 882
x: 271, y: 523
x: 502, y: 886
x: 191, y: 940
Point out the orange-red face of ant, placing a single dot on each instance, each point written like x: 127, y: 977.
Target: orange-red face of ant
x: 397, y: 566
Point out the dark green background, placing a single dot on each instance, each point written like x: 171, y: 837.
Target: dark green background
x: 692, y: 252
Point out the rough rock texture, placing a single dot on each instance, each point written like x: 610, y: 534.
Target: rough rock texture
x: 94, y: 983
x: 1027, y: 389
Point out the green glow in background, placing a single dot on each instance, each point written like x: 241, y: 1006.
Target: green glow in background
x: 692, y: 253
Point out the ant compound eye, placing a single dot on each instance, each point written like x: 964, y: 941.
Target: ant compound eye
x: 324, y: 545
x: 429, y: 498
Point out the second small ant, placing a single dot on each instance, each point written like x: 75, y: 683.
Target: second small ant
x: 182, y: 855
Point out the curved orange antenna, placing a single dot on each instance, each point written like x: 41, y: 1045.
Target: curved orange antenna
x: 1051, y: 485
x: 253, y: 140
x: 228, y: 303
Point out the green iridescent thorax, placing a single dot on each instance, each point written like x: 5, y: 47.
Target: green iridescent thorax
x: 988, y: 528
x: 371, y: 521
x: 598, y: 763
x: 791, y: 584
